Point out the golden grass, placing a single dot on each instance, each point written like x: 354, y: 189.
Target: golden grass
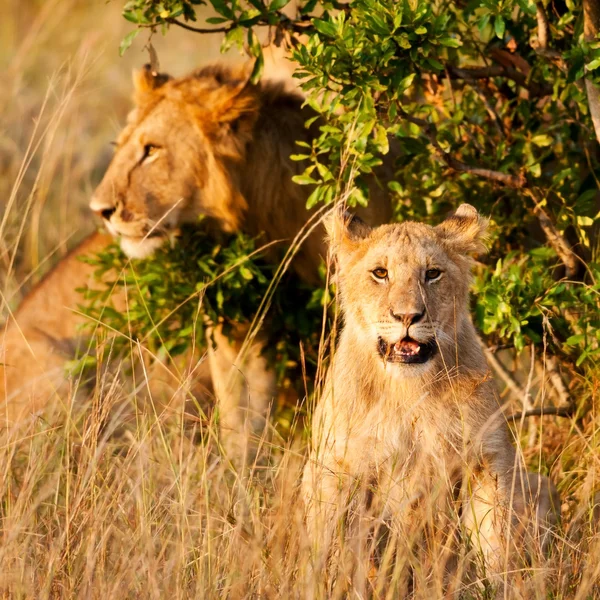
x: 93, y: 508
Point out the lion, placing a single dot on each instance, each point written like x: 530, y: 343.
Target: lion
x: 408, y: 410
x: 42, y: 335
x: 214, y: 145
x: 38, y: 339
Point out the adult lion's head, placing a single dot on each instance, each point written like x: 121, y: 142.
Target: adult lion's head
x: 404, y: 287
x: 171, y: 161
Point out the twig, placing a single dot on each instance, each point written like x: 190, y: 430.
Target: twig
x: 201, y: 29
x: 502, y: 70
x: 510, y: 383
x: 555, y: 238
x: 301, y: 25
x: 557, y: 381
x: 591, y: 28
x: 490, y: 110
x: 542, y: 48
x: 549, y: 411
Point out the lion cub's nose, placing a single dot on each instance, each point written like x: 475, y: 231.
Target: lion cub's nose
x: 407, y: 318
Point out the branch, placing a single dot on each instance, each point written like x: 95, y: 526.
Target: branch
x: 200, y: 29
x: 591, y: 27
x: 508, y: 380
x: 557, y: 381
x: 555, y: 238
x: 542, y: 48
x: 500, y: 70
x: 556, y: 411
x: 513, y: 181
x: 301, y: 25
x: 543, y: 33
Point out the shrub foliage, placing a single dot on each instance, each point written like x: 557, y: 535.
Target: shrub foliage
x: 488, y: 102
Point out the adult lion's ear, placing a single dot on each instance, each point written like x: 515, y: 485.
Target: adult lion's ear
x: 464, y: 231
x: 344, y: 230
x: 234, y: 106
x: 146, y: 81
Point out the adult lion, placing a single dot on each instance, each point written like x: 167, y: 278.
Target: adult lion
x: 213, y: 144
x: 409, y: 410
x: 42, y: 335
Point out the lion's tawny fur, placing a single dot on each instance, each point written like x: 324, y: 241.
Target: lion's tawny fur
x: 403, y: 435
x: 211, y: 144
x: 41, y: 335
x: 221, y: 149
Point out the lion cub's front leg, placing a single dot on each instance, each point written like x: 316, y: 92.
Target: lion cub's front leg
x: 336, y: 489
x: 508, y: 513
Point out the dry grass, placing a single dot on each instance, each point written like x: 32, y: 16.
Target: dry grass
x: 92, y: 508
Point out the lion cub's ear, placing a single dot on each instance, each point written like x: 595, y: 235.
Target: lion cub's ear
x: 344, y: 229
x: 464, y: 231
x: 145, y: 81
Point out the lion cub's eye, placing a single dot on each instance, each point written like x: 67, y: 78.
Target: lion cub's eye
x: 380, y: 273
x: 432, y: 274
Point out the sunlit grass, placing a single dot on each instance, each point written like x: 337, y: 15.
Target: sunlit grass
x: 115, y: 496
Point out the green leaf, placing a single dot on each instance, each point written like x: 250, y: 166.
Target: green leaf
x: 585, y: 221
x: 499, y: 27
x: 406, y: 82
x: 246, y: 273
x: 325, y: 27
x: 233, y: 37
x: 303, y: 179
x: 258, y: 68
x: 450, y: 42
x: 308, y: 7
x: 436, y: 64
x: 132, y: 16
x: 127, y: 41
x: 278, y: 5
x: 542, y: 140
x: 575, y: 340
x: 223, y: 8
x: 594, y: 64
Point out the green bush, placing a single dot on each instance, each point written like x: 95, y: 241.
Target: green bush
x: 483, y: 101
x: 202, y: 279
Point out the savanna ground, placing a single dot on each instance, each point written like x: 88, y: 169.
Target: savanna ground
x: 90, y: 509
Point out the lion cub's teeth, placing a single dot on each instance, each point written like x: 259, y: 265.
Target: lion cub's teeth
x: 407, y: 347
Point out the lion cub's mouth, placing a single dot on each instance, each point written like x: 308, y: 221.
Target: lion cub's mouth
x: 406, y: 351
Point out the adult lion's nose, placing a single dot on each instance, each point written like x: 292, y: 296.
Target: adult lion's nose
x: 102, y: 209
x: 105, y: 213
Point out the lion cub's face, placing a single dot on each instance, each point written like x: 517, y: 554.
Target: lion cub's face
x: 404, y: 287
x: 169, y: 165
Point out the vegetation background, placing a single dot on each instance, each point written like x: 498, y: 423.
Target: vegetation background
x: 489, y: 103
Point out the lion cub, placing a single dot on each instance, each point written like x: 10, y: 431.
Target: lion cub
x: 408, y: 425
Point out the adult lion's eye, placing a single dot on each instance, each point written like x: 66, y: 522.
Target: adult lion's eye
x: 150, y: 150
x: 432, y: 274
x: 380, y: 273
